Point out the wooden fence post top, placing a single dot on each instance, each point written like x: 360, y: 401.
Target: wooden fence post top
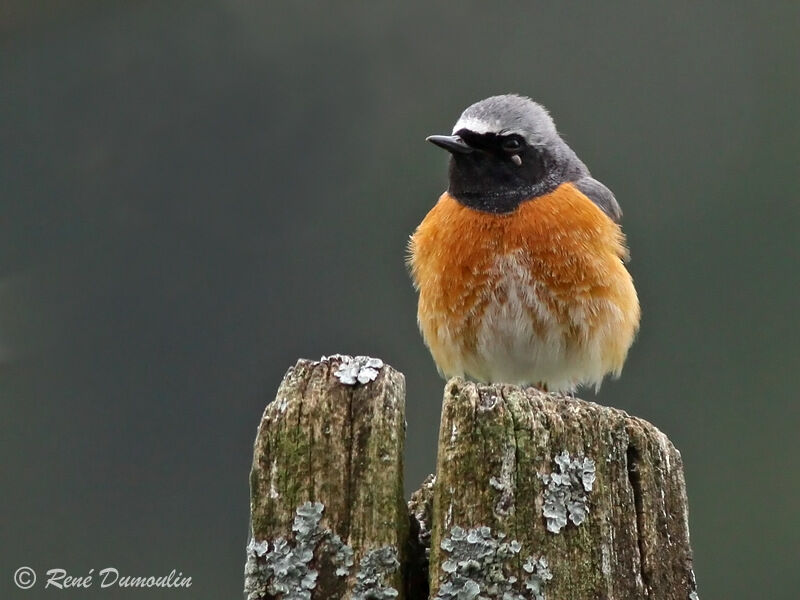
x: 536, y: 496
x: 326, y: 488
x: 563, y: 498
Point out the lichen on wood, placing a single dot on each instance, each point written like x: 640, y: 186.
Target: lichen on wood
x: 597, y: 495
x: 480, y: 563
x: 536, y: 496
x: 327, y: 513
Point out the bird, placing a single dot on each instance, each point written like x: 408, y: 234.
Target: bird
x: 520, y: 265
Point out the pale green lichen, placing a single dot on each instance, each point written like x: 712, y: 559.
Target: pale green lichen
x: 566, y: 488
x: 283, y: 567
x: 478, y: 564
x: 342, y: 557
x: 373, y: 569
x: 353, y: 370
x: 538, y: 575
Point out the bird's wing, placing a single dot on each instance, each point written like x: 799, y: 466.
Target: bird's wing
x: 601, y: 196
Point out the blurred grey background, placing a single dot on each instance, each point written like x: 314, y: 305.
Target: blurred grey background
x: 195, y: 194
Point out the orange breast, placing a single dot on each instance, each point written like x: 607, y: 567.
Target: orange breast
x: 572, y: 250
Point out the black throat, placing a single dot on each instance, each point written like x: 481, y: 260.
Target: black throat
x: 487, y: 179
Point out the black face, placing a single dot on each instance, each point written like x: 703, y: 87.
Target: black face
x: 491, y: 178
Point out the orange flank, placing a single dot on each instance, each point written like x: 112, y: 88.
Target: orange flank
x: 536, y: 296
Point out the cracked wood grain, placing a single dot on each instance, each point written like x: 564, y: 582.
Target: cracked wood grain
x: 536, y: 496
x: 618, y: 498
x: 336, y: 449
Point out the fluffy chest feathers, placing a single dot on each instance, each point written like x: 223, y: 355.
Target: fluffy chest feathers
x: 537, y: 296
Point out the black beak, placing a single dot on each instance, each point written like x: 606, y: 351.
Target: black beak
x: 451, y: 143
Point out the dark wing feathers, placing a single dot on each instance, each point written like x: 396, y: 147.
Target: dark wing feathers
x: 600, y: 195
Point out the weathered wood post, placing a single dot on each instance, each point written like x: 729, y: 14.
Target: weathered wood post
x: 545, y: 496
x: 326, y: 489
x: 535, y: 496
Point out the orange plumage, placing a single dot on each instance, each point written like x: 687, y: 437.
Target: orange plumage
x: 536, y: 296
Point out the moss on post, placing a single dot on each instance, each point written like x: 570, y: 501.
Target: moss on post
x: 545, y: 496
x: 327, y: 511
x: 536, y: 496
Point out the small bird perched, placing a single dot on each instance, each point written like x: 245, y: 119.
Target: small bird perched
x: 520, y: 264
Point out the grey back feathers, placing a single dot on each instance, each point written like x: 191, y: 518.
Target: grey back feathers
x: 511, y: 113
x: 600, y: 195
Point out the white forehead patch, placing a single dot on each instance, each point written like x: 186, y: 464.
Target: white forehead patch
x: 510, y: 114
x: 481, y: 126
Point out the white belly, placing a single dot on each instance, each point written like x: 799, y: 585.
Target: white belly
x: 521, y: 340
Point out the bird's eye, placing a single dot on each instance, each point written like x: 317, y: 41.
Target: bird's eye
x: 512, y: 144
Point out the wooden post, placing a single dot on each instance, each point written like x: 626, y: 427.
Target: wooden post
x: 536, y: 496
x: 326, y: 502
x: 545, y: 496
